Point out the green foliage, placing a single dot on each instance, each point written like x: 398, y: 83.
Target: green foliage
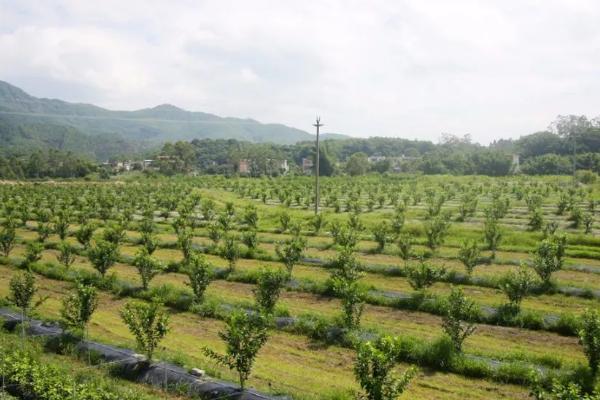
x: 148, y: 323
x: 516, y: 286
x: 7, y: 240
x: 468, y: 254
x: 405, y: 243
x: 184, y: 242
x: 230, y: 251
x: 549, y: 257
x: 199, y: 272
x: 84, y: 234
x: 422, y: 275
x: 103, y: 255
x: 589, y: 337
x: 290, y: 252
x: 33, y: 252
x: 459, y: 311
x: 244, y: 336
x: 345, y: 284
x: 147, y: 267
x: 373, y: 369
x: 357, y: 164
x: 492, y: 233
x: 269, y: 283
x: 22, y: 288
x: 436, y: 230
x: 66, y: 254
x: 78, y: 307
x: 381, y: 235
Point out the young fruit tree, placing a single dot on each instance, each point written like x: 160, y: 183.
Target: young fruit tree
x: 84, y: 235
x: 78, y: 307
x: 345, y: 284
x: 244, y: 335
x: 374, y: 369
x: 549, y: 258
x: 268, y: 288
x: 22, y: 288
x: 455, y: 322
x: 200, y: 274
x: 8, y: 239
x: 469, y: 255
x: 148, y: 267
x: 66, y: 254
x: 516, y: 286
x: 103, y: 256
x: 230, y: 251
x: 290, y: 252
x: 33, y: 252
x: 423, y: 275
x: 589, y: 337
x: 148, y: 323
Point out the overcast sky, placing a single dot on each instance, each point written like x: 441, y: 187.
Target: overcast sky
x: 411, y: 69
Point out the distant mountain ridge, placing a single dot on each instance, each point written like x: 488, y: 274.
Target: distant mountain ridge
x: 30, y: 122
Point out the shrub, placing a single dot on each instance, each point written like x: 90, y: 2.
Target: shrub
x: 381, y: 235
x: 84, y: 234
x: 33, y: 252
x: 290, y: 252
x: 230, y: 251
x: 8, y: 239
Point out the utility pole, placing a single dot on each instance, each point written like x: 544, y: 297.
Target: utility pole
x: 318, y: 124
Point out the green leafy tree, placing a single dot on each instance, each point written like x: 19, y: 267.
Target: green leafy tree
x: 436, y: 230
x: 268, y: 288
x: 148, y: 323
x: 290, y: 252
x: 405, y: 243
x: 589, y: 337
x: 199, y: 272
x: 422, y: 275
x: 78, y: 307
x: 374, y: 369
x: 468, y: 254
x: 455, y: 322
x: 33, y: 252
x: 251, y: 216
x: 66, y: 254
x: 381, y: 235
x: 230, y: 251
x: 115, y: 233
x: 345, y: 284
x: 244, y: 335
x: 549, y: 257
x: 317, y: 223
x: 149, y: 242
x: 147, y: 266
x: 8, y: 239
x: 84, y: 234
x: 184, y: 242
x: 103, y: 256
x: 492, y: 233
x: 516, y: 286
x: 357, y: 164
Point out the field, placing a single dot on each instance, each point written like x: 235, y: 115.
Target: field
x: 309, y: 353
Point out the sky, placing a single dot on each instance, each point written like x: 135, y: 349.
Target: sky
x: 412, y: 69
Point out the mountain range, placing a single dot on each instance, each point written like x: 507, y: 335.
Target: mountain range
x: 28, y: 122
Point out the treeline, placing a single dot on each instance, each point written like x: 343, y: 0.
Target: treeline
x: 542, y: 153
x: 45, y: 164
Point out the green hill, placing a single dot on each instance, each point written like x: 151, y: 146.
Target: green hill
x: 28, y: 122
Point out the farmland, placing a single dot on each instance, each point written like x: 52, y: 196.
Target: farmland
x: 415, y: 242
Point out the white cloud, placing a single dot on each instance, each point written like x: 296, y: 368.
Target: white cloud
x: 409, y: 68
